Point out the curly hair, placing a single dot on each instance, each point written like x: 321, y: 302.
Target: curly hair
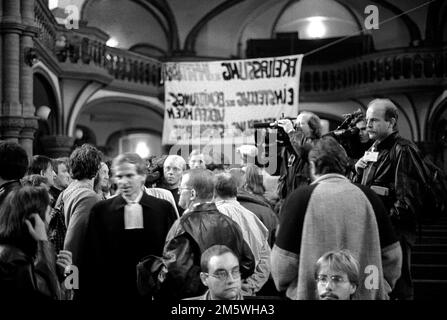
x: 85, y: 162
x: 34, y: 180
x: 13, y: 161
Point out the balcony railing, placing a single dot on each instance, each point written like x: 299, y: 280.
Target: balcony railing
x: 46, y: 23
x: 405, y: 66
x: 120, y: 64
x: 86, y: 47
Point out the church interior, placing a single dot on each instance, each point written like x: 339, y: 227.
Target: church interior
x: 90, y: 71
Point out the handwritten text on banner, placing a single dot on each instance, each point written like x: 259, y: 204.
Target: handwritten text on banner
x: 219, y: 101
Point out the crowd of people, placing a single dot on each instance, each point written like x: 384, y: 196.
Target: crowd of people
x: 339, y: 223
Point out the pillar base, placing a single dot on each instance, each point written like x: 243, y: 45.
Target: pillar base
x: 57, y: 146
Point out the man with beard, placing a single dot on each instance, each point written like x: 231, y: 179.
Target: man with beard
x: 173, y: 168
x: 337, y: 275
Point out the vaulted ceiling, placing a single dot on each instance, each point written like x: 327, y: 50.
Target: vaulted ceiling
x: 220, y: 28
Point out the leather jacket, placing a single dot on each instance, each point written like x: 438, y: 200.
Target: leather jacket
x: 397, y: 169
x: 198, y: 229
x: 24, y: 276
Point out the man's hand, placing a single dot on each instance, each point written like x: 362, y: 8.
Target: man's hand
x: 360, y: 165
x: 64, y: 260
x: 36, y: 227
x: 286, y: 124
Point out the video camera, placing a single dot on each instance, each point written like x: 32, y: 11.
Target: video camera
x: 281, y: 137
x: 350, y: 119
x: 348, y: 128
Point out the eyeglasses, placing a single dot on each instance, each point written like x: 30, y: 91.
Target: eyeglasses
x: 223, y: 275
x: 336, y: 280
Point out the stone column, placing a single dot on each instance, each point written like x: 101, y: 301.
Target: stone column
x: 26, y: 77
x: 57, y: 145
x: 30, y: 126
x: 26, y: 71
x: 11, y: 28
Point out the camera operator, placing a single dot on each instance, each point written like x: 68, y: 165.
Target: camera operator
x: 362, y: 142
x: 301, y: 136
x: 352, y: 135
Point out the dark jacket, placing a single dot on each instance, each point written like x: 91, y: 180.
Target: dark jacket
x: 198, y: 229
x: 111, y: 253
x: 261, y: 208
x: 397, y: 169
x: 294, y: 170
x: 26, y: 277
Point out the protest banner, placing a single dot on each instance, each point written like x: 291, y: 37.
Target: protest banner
x: 218, y: 102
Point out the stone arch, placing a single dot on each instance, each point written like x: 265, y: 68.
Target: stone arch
x: 436, y: 130
x: 103, y: 96
x: 53, y: 90
x: 118, y: 98
x: 109, y: 111
x: 434, y: 114
x: 193, y: 34
x: 44, y: 95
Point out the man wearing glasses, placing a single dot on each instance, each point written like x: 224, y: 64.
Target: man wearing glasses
x: 337, y: 275
x: 220, y: 274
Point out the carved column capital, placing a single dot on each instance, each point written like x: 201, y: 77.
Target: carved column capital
x: 11, y: 126
x: 57, y: 145
x: 30, y: 126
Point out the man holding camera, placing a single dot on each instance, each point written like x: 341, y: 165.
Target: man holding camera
x: 302, y: 135
x: 352, y: 135
x: 390, y: 167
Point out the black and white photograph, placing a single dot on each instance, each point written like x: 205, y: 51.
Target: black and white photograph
x: 158, y: 153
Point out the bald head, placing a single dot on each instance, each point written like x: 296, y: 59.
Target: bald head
x: 381, y: 119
